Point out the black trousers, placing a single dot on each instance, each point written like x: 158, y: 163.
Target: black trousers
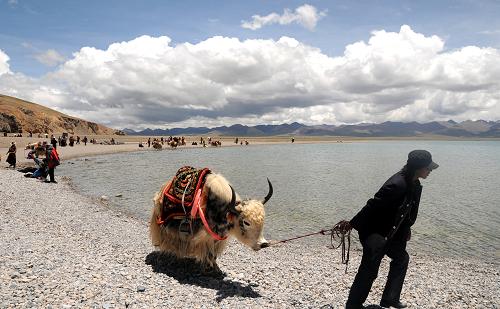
x: 51, y: 174
x: 375, y: 247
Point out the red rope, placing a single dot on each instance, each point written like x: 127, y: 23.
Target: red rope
x: 323, y: 232
x: 336, y: 231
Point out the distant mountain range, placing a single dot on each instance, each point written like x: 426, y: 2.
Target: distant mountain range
x: 468, y: 129
x: 18, y: 115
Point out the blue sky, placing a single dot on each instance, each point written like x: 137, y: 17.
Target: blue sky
x: 39, y: 37
x: 66, y: 26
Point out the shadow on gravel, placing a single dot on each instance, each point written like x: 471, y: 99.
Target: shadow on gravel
x: 188, y: 271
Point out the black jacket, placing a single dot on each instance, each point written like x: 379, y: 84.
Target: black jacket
x: 386, y: 211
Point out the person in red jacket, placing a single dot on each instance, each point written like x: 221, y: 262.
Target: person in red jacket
x: 383, y: 226
x: 52, y: 161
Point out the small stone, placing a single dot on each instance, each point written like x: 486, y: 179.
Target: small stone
x: 118, y: 195
x: 141, y: 289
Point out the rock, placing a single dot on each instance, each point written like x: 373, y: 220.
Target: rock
x: 118, y: 195
x: 141, y: 289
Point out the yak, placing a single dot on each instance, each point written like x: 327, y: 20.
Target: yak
x: 157, y: 145
x: 216, y: 213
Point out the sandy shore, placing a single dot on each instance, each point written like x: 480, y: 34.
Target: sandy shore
x: 131, y: 143
x: 61, y: 250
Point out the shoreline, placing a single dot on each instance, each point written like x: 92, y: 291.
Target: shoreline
x: 63, y: 249
x: 130, y: 144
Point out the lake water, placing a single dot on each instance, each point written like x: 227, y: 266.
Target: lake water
x: 317, y: 185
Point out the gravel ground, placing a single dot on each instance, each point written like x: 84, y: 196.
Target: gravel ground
x: 61, y: 250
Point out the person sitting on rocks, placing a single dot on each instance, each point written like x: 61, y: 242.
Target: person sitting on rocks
x: 40, y: 170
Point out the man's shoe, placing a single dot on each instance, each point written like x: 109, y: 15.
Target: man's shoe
x: 392, y: 303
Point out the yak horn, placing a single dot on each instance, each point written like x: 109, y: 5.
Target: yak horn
x: 232, y: 205
x: 270, y: 193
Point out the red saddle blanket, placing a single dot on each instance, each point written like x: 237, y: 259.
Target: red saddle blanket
x: 188, y: 182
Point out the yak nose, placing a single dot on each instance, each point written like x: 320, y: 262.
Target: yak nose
x: 264, y: 245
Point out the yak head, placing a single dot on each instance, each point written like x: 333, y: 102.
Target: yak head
x: 248, y: 220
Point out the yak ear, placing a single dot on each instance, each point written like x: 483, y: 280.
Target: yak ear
x: 239, y: 207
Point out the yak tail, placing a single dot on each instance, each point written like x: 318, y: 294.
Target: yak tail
x: 154, y: 227
x: 154, y: 230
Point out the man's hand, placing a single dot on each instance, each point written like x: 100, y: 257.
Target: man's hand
x: 409, y: 236
x: 344, y: 226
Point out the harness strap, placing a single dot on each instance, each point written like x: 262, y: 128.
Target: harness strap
x: 205, y: 224
x: 196, y: 210
x: 196, y: 203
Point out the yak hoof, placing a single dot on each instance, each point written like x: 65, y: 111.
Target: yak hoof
x: 213, y: 271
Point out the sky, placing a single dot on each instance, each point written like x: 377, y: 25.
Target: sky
x: 165, y: 64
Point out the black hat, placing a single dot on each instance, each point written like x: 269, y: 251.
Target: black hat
x: 421, y: 158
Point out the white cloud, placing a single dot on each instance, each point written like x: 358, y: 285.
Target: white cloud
x: 50, y: 58
x: 12, y: 2
x: 305, y: 15
x: 4, y: 63
x: 147, y: 82
x: 490, y: 32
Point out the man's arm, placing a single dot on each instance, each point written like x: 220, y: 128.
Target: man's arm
x: 389, y: 193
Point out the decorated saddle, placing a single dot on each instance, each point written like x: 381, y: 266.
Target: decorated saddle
x: 181, y: 198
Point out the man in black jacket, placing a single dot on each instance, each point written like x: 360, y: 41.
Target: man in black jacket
x: 384, y: 225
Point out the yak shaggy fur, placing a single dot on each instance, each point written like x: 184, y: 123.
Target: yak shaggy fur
x: 245, y: 222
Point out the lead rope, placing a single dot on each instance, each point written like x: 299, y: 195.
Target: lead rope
x: 342, y: 234
x: 335, y: 232
x: 183, y: 195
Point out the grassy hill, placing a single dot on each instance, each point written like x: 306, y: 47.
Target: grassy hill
x: 17, y: 115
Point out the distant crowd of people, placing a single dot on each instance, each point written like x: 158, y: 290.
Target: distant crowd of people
x: 174, y: 141
x: 158, y: 143
x: 236, y: 140
x: 45, y: 156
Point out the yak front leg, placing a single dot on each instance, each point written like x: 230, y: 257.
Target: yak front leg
x: 210, y: 266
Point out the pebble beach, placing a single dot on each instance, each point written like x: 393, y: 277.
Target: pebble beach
x: 59, y: 249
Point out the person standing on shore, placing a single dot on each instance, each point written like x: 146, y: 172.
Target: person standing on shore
x: 11, y: 155
x: 52, y: 161
x: 383, y: 226
x: 53, y: 141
